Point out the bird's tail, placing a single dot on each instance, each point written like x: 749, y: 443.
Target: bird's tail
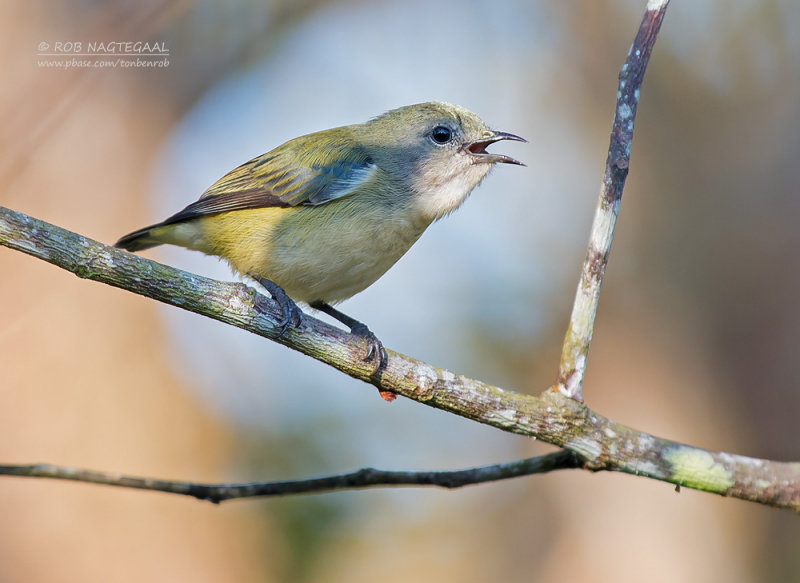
x: 143, y: 238
x: 187, y: 234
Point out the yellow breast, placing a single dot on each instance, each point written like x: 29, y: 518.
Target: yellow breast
x: 320, y: 253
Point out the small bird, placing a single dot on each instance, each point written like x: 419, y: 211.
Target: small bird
x: 323, y: 216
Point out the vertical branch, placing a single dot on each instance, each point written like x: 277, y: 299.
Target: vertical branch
x: 581, y: 325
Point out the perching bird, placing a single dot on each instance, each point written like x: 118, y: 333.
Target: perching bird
x: 323, y: 216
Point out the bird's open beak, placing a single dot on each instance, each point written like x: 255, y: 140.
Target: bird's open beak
x: 478, y: 148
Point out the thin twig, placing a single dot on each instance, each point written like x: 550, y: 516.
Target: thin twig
x: 363, y: 478
x: 581, y: 324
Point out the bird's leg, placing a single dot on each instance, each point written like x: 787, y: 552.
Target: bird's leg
x: 292, y: 314
x: 376, y: 351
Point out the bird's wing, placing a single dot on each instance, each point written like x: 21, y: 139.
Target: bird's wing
x: 290, y: 175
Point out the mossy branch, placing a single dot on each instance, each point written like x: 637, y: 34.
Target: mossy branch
x: 557, y: 416
x: 596, y: 442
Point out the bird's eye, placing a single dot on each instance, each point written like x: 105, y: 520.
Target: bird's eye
x: 441, y: 134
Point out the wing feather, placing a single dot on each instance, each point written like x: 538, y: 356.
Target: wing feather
x: 290, y: 175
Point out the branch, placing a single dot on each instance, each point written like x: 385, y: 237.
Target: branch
x: 557, y: 417
x: 581, y: 324
x: 598, y: 443
x: 363, y: 478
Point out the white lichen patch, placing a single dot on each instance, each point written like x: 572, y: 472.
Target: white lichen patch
x: 733, y: 459
x: 646, y: 443
x: 504, y: 418
x: 572, y: 390
x: 645, y: 468
x: 424, y: 376
x: 236, y: 304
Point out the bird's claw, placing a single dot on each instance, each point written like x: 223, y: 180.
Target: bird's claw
x: 375, y: 352
x: 291, y: 314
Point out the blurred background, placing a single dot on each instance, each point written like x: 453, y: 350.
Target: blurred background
x: 695, y: 338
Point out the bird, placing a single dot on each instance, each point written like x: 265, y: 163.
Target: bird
x: 321, y: 217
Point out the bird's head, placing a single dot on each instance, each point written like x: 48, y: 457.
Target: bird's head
x: 437, y: 150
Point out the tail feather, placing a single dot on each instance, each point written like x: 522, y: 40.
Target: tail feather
x: 140, y: 239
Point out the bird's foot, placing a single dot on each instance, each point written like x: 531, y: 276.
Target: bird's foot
x: 376, y: 353
x: 292, y: 315
x: 375, y: 349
